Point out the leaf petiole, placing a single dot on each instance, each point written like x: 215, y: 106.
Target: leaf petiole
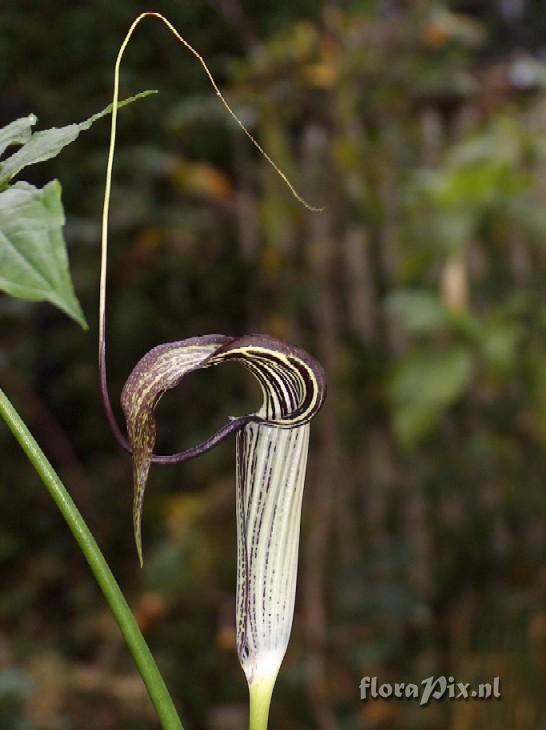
x: 142, y: 656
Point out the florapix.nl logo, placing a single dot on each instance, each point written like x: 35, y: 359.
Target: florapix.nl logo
x: 428, y: 689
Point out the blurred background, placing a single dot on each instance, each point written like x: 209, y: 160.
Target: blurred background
x: 421, y: 127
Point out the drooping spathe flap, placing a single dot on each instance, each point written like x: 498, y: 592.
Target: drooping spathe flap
x: 292, y: 382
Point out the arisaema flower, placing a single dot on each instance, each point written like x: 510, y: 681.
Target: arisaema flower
x: 271, y: 461
x: 272, y: 448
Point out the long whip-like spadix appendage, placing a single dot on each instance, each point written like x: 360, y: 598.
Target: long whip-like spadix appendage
x: 120, y: 438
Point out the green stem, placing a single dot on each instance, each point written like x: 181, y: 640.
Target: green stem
x: 144, y: 660
x: 259, y: 693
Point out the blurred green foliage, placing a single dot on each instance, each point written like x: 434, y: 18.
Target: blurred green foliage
x: 421, y: 127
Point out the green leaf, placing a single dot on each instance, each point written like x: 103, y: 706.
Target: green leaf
x: 17, y: 132
x: 424, y: 384
x: 48, y: 143
x: 419, y: 311
x: 41, y: 146
x: 33, y: 258
x: 500, y: 346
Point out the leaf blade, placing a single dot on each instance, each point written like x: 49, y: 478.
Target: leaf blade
x: 33, y: 257
x: 423, y: 386
x: 47, y: 143
x: 17, y: 132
